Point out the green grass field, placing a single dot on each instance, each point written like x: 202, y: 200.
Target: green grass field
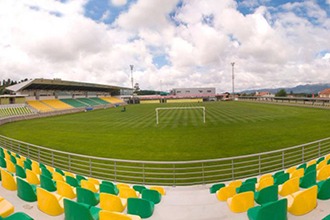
x: 231, y: 128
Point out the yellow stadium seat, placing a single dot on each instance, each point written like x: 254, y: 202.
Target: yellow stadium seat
x: 241, y: 202
x: 265, y: 182
x: 298, y: 173
x: 267, y: 175
x: 11, y: 166
x: 127, y: 192
x: 160, y: 189
x: 89, y: 185
x: 32, y: 177
x: 49, y: 203
x: 35, y: 167
x: 235, y: 183
x: 291, y: 170
x: 20, y: 161
x: 8, y: 181
x: 311, y: 162
x: 6, y: 208
x: 327, y: 157
x: 65, y: 190
x: 323, y: 173
x: 67, y: 173
x: 111, y: 202
x: 93, y: 180
x: 302, y: 202
x: 321, y: 164
x: 225, y: 193
x: 289, y: 187
x: 120, y: 185
x: 50, y: 168
x: 107, y: 215
x: 58, y: 177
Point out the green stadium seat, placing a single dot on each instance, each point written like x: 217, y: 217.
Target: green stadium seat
x: 310, y: 168
x: 323, y: 189
x: 326, y: 217
x: 18, y: 216
x: 47, y: 183
x: 80, y: 177
x: 151, y: 195
x: 275, y: 175
x: 3, y: 163
x: 139, y: 188
x: 267, y: 194
x: 72, y: 181
x: 308, y: 180
x: 58, y: 170
x: 281, y: 178
x: 276, y: 210
x: 77, y: 211
x: 26, y: 191
x: 13, y: 159
x: 251, y: 180
x: 20, y: 171
x: 46, y: 172
x: 141, y: 207
x: 215, y: 187
x: 88, y: 197
x: 246, y: 186
x: 27, y: 165
x: 107, y: 188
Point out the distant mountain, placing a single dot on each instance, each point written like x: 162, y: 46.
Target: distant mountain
x: 308, y: 89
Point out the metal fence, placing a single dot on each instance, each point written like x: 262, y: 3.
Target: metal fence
x: 171, y: 172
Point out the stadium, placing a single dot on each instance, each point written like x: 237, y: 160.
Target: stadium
x: 184, y: 147
x: 177, y: 109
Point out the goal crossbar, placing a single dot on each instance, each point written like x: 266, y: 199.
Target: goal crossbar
x: 179, y: 108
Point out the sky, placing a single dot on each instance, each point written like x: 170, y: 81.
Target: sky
x: 170, y: 43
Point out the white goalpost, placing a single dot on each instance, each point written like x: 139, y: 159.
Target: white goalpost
x: 179, y: 108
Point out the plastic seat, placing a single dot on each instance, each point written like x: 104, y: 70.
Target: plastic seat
x: 31, y: 177
x: 139, y: 188
x: 311, y: 162
x: 275, y: 175
x: 323, y: 189
x: 215, y: 187
x: 13, y: 159
x: 94, y: 181
x: 160, y: 189
x: 111, y: 202
x: 249, y: 186
x: 302, y: 202
x: 50, y: 168
x: 18, y: 216
x: 265, y: 176
x: 11, y: 167
x: 6, y: 208
x: 88, y: 197
x: 58, y: 177
x: 76, y: 211
x: 276, y: 210
x: 80, y: 177
x: 251, y: 180
x: 280, y: 179
x: 49, y: 203
x: 308, y: 180
x: 67, y: 173
x: 107, y: 215
x: 310, y: 168
x: 3, y: 162
x: 321, y: 164
x: 289, y: 187
x: 20, y: 171
x: 298, y: 173
x: 47, y: 183
x: 265, y: 182
x: 127, y: 192
x: 46, y: 172
x: 235, y: 183
x: 141, y: 207
x: 58, y: 170
x: 72, y: 181
x: 323, y: 173
x: 326, y: 217
x: 65, y: 190
x: 107, y: 188
x: 226, y: 192
x: 291, y: 170
x: 320, y: 160
x: 25, y: 191
x: 35, y: 167
x: 89, y: 185
x: 268, y: 194
x: 152, y: 195
x: 20, y: 162
x: 302, y: 166
x: 120, y: 185
x: 8, y: 182
x: 27, y: 165
x: 241, y: 202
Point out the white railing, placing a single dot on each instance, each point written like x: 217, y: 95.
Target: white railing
x: 171, y: 172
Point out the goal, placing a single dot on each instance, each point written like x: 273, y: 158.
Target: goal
x: 179, y: 108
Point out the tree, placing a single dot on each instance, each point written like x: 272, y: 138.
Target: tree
x: 281, y: 93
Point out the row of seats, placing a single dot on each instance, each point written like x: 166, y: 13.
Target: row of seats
x: 51, y: 187
x: 294, y: 190
x: 62, y: 104
x: 22, y: 110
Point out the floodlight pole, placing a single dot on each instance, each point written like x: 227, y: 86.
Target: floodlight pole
x: 132, y: 67
x: 233, y: 78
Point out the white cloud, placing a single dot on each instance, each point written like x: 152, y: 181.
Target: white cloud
x: 52, y: 39
x: 119, y: 2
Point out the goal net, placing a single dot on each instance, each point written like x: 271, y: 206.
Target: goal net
x: 180, y: 108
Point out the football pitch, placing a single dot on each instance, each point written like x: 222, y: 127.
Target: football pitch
x: 231, y: 129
